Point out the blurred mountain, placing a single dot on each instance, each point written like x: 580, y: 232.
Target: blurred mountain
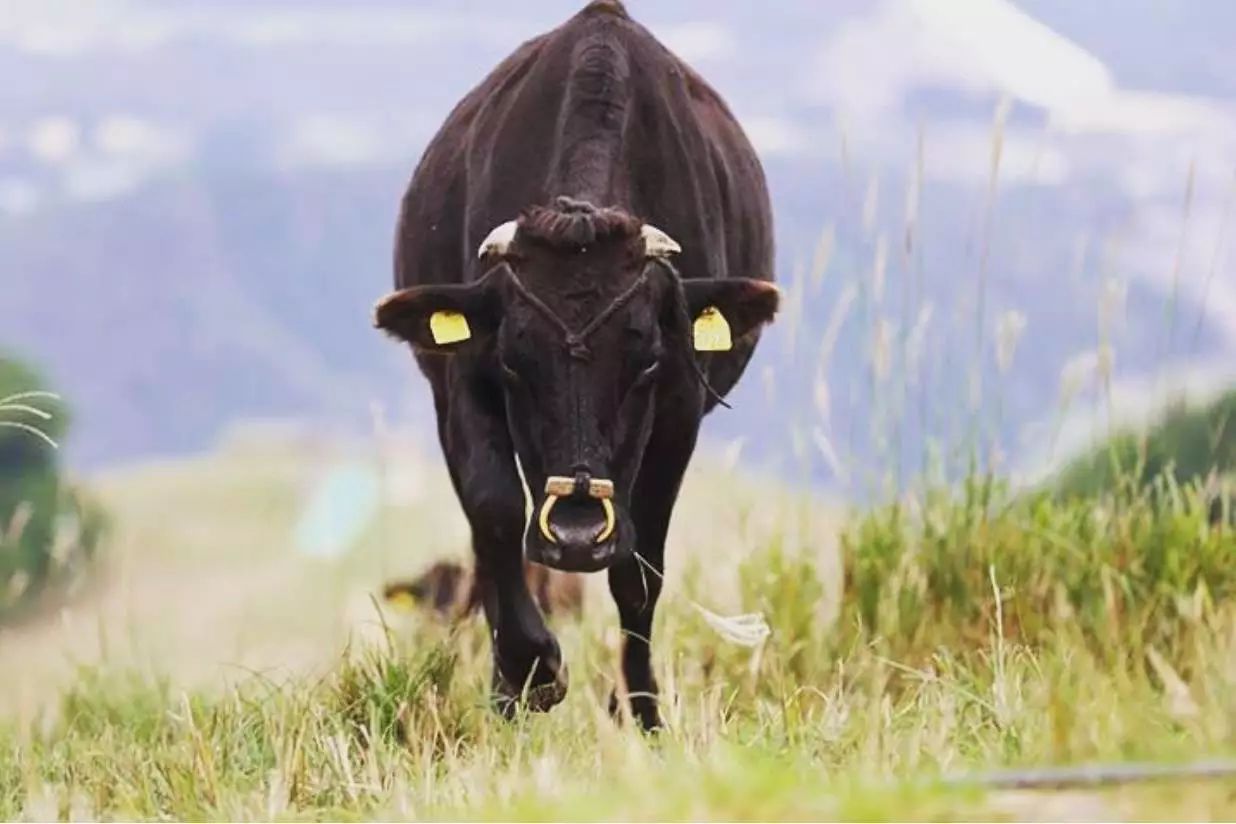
x: 197, y: 205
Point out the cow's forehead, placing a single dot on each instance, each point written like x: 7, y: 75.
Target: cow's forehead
x: 622, y: 299
x: 602, y: 252
x: 598, y: 271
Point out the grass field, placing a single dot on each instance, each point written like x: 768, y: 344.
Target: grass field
x: 216, y: 673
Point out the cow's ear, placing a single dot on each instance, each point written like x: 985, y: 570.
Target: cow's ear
x: 726, y: 309
x: 443, y: 318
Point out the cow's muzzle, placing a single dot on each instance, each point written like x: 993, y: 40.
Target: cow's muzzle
x: 578, y: 522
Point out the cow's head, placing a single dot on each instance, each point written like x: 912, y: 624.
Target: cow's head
x: 590, y: 332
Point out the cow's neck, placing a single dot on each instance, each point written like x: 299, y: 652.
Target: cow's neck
x: 592, y: 121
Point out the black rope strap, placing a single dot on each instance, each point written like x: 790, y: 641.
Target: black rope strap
x: 577, y: 341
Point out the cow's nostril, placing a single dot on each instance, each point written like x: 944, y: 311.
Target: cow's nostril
x: 579, y: 522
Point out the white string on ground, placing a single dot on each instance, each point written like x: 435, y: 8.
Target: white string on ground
x: 749, y: 629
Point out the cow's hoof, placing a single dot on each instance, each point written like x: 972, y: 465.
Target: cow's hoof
x: 547, y: 696
x: 643, y: 707
x: 541, y: 697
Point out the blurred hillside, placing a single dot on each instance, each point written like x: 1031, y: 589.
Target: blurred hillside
x: 197, y: 206
x: 1190, y: 446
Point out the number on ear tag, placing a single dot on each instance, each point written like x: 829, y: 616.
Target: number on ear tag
x: 448, y: 327
x: 712, y: 331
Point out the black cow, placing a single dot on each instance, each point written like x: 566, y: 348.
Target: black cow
x: 584, y: 261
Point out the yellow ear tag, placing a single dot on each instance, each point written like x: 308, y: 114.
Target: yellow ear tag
x: 402, y: 600
x: 448, y: 327
x: 712, y: 331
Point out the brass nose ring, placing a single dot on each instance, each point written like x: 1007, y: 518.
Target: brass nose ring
x: 557, y: 486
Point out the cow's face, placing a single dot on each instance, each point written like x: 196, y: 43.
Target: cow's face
x: 583, y: 340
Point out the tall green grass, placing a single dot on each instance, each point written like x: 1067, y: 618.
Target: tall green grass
x: 977, y: 629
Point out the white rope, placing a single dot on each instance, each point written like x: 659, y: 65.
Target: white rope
x: 749, y: 629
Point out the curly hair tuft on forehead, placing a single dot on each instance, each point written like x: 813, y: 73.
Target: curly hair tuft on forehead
x: 571, y: 223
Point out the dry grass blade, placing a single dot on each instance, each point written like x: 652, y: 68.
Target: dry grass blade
x: 32, y: 430
x: 18, y: 403
x: 33, y: 394
x: 26, y: 409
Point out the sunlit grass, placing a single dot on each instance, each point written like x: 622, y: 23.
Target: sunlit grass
x: 975, y: 630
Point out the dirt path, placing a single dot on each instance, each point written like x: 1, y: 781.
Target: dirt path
x: 189, y: 622
x: 205, y: 583
x: 200, y: 587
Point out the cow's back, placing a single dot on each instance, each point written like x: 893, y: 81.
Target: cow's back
x: 599, y: 110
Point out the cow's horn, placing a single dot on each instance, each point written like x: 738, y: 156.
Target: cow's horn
x: 657, y: 244
x: 499, y: 240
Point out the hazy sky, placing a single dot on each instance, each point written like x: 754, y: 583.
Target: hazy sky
x: 1129, y: 104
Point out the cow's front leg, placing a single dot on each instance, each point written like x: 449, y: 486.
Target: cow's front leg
x: 636, y: 582
x: 527, y: 660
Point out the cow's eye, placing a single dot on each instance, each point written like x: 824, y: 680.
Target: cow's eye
x: 647, y: 372
x: 509, y: 375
